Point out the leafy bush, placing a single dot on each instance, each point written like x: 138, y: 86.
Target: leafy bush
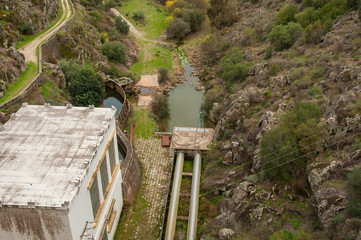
x: 316, y: 91
x: 214, y: 95
x: 194, y: 17
x: 282, y: 147
x: 284, y: 36
x: 26, y: 29
x: 306, y: 17
x: 233, y: 68
x: 85, y: 86
x: 212, y: 48
x: 286, y: 15
x: 178, y: 29
x: 314, y: 32
x: 163, y: 73
x: 121, y: 25
x: 160, y: 106
x: 138, y: 16
x: 274, y: 69
x: 354, y: 183
x: 268, y: 54
x: 114, y: 51
x: 110, y: 4
x: 221, y: 13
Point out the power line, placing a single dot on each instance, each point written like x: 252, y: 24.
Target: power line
x: 292, y: 160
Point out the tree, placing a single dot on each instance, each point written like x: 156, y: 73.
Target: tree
x: 87, y: 88
x: 194, y: 17
x: 178, y: 29
x: 222, y: 13
x: 306, y: 17
x: 286, y: 15
x: 278, y: 147
x: 163, y: 73
x: 160, y: 106
x: 121, y: 25
x: 284, y: 36
x: 114, y: 51
x: 314, y: 32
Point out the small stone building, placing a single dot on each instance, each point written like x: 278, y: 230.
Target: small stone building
x: 148, y: 84
x: 60, y: 175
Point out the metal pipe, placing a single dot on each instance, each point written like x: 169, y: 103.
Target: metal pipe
x: 193, y: 210
x: 173, y: 205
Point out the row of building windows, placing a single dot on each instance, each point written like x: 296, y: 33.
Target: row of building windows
x: 95, y: 193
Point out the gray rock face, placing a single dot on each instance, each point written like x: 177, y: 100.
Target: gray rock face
x: 225, y: 233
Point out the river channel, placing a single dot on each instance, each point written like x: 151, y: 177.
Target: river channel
x: 185, y: 102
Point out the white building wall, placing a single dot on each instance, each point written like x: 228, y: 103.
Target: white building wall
x: 18, y: 223
x: 81, y: 208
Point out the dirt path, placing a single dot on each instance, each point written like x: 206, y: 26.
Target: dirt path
x: 29, y: 50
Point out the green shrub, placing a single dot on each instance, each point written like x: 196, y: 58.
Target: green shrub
x: 110, y: 4
x: 194, y: 17
x: 274, y: 69
x: 233, y: 69
x: 306, y: 17
x: 222, y: 13
x: 138, y: 16
x: 87, y: 88
x: 268, y: 54
x: 284, y: 36
x: 114, y: 51
x: 121, y: 25
x: 359, y: 12
x: 286, y: 15
x: 282, y: 146
x: 212, y: 48
x: 301, y: 113
x: 316, y: 91
x: 160, y: 106
x: 338, y: 219
x: 354, y: 183
x: 163, y: 73
x: 178, y: 29
x: 26, y: 29
x: 314, y: 32
x: 214, y: 95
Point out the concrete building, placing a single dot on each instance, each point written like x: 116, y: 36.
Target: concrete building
x: 60, y: 175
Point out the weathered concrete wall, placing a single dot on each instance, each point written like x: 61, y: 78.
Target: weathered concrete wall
x: 34, y: 223
x: 130, y: 169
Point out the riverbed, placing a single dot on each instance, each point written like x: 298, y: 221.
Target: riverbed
x: 185, y: 102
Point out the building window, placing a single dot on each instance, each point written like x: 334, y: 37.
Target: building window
x: 94, y: 196
x: 112, y: 160
x: 104, y: 175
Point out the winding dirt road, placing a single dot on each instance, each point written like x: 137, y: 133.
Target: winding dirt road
x: 29, y: 50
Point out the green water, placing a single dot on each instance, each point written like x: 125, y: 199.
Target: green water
x: 185, y: 102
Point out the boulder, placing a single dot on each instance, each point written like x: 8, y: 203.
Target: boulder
x: 225, y: 233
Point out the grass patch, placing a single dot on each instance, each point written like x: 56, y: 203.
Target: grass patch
x: 29, y: 38
x: 26, y: 77
x: 188, y: 166
x: 150, y: 58
x: 144, y: 124
x: 155, y: 15
x: 3, y: 22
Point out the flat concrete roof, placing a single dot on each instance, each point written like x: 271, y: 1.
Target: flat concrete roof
x: 191, y: 139
x: 43, y: 151
x: 148, y: 81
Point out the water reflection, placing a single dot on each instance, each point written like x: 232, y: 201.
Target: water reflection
x: 184, y: 101
x: 113, y: 98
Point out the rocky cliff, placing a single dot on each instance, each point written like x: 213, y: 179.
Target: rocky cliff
x: 24, y: 17
x: 312, y: 204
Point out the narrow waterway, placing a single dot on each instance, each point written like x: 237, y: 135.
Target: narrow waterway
x: 184, y: 101
x: 113, y: 98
